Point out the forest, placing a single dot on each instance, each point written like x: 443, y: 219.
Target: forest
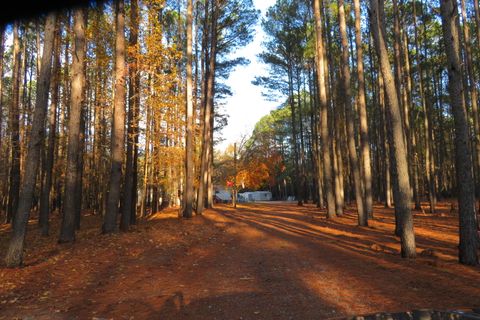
x: 113, y: 112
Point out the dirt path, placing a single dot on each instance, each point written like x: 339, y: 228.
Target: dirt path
x: 262, y: 261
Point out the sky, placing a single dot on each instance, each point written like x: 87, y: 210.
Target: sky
x: 247, y: 105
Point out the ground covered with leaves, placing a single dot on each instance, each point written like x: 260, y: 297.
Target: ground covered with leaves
x: 261, y: 261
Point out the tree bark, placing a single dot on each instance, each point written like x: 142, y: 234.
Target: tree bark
x: 429, y: 161
x: 189, y: 147
x: 14, y: 128
x: 136, y: 90
x: 4, y: 157
x: 130, y: 187
x: 210, y: 191
x: 463, y: 161
x: 79, y: 178
x: 402, y: 200
x: 337, y: 142
x: 146, y: 167
x: 67, y: 233
x: 52, y: 121
x: 118, y: 125
x: 324, y: 132
x: 2, y: 57
x: 14, y: 257
x: 316, y: 144
x: 293, y: 123
x: 472, y: 88
x: 301, y: 148
x: 347, y: 99
x: 208, y: 115
x: 362, y: 108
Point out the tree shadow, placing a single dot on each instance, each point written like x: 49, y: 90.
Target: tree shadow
x: 427, y: 233
x: 359, y: 248
x: 249, y: 279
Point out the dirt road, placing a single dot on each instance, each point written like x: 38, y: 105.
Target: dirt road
x: 261, y: 261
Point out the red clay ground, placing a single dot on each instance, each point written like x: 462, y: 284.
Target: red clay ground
x: 262, y: 261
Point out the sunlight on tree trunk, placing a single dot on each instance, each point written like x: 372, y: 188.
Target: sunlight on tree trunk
x: 14, y: 256
x: 118, y: 125
x: 469, y: 243
x: 67, y: 233
x: 402, y: 200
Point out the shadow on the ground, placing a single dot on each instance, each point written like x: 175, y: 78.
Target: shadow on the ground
x: 298, y: 265
x: 357, y: 244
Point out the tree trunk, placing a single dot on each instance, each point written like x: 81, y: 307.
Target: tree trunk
x: 130, y: 187
x: 463, y: 161
x: 79, y: 178
x: 402, y: 200
x: 52, y: 120
x: 301, y: 148
x: 349, y: 112
x: 324, y: 132
x: 136, y: 90
x: 429, y: 162
x: 14, y: 256
x: 315, y: 140
x: 67, y: 233
x: 210, y: 191
x: 189, y: 147
x: 2, y: 57
x: 293, y: 123
x: 118, y: 125
x: 4, y: 157
x: 472, y: 88
x: 362, y: 108
x: 404, y: 107
x: 208, y: 115
x: 66, y: 99
x: 14, y: 128
x: 338, y: 121
x: 385, y: 143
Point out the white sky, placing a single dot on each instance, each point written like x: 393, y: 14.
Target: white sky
x: 247, y: 105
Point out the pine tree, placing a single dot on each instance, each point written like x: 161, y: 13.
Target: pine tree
x: 399, y: 151
x: 118, y: 125
x: 67, y: 232
x: 14, y: 256
x: 463, y: 161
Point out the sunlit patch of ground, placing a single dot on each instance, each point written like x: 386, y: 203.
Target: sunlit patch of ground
x: 259, y: 261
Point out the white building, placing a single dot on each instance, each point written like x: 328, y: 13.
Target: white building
x: 223, y: 195
x: 255, y: 196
